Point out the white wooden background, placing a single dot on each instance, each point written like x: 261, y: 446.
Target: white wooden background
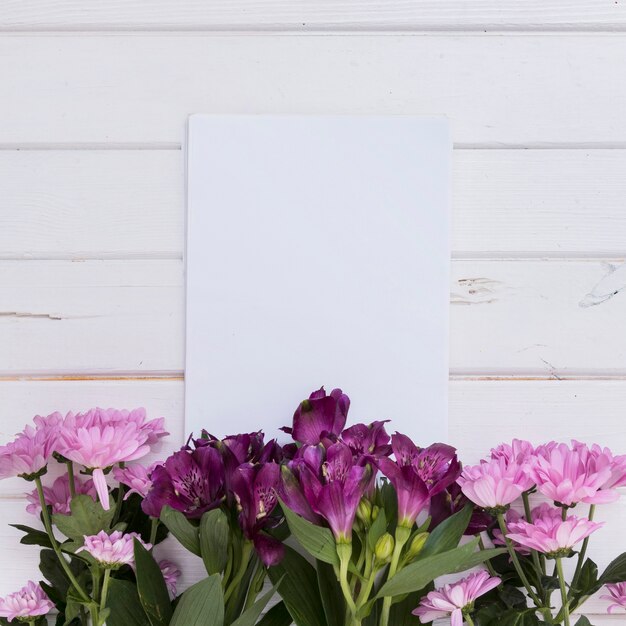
x: 93, y: 101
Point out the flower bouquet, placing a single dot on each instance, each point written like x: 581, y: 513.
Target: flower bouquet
x: 340, y: 526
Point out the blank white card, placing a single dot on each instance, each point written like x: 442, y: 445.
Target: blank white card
x: 317, y: 254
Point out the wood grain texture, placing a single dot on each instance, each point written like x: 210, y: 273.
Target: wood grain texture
x: 98, y: 204
x: 311, y: 15
x: 551, y: 90
x: 544, y: 317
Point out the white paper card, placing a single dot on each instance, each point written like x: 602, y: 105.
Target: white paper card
x: 317, y: 254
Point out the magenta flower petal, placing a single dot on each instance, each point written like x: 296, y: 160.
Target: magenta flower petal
x: 320, y: 416
x: 58, y: 495
x: 617, y: 597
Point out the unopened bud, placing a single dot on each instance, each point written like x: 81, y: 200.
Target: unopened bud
x: 416, y: 545
x: 364, y: 512
x: 384, y: 548
x: 375, y: 511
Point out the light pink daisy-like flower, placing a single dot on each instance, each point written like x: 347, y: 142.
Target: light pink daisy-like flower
x: 550, y: 534
x: 26, y: 604
x: 27, y: 455
x: 171, y: 574
x: 494, y: 484
x: 568, y: 476
x: 455, y: 600
x: 518, y: 451
x: 58, y: 496
x: 112, y: 550
x: 604, y: 457
x: 136, y: 476
x: 618, y: 596
x: 511, y: 517
x: 101, y: 446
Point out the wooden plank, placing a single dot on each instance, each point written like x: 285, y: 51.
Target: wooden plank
x: 482, y: 413
x: 118, y: 88
x: 508, y: 317
x: 310, y: 15
x: 67, y: 204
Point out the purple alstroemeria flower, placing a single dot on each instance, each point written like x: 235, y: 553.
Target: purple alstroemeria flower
x: 256, y: 493
x: 450, y: 501
x: 320, y: 417
x: 369, y: 441
x: 190, y: 481
x: 335, y: 489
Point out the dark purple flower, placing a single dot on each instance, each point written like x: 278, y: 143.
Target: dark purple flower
x: 320, y: 417
x: 335, y: 488
x: 438, y: 466
x: 255, y: 488
x: 367, y: 440
x: 450, y: 501
x: 190, y: 481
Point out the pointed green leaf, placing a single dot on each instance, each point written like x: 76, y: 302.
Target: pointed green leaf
x: 331, y: 594
x: 250, y: 617
x: 124, y: 604
x: 377, y: 530
x: 418, y: 574
x: 33, y: 537
x: 87, y: 518
x: 447, y: 534
x: 213, y: 534
x: 317, y: 541
x: 278, y: 615
x: 151, y: 587
x: 182, y: 529
x: 201, y: 605
x: 298, y: 589
x: 615, y: 571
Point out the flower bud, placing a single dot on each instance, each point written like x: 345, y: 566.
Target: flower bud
x: 384, y: 548
x: 364, y: 512
x: 416, y: 545
x: 375, y: 511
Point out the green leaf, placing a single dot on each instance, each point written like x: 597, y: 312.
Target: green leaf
x: 87, y: 518
x: 151, y: 587
x: 401, y: 612
x: 418, y: 574
x: 583, y: 621
x: 33, y: 537
x: 124, y: 604
x: 186, y: 533
x: 53, y: 572
x: 317, y: 541
x: 213, y: 533
x: 278, y: 615
x: 250, y: 617
x: 447, y: 534
x: 477, y: 558
x: 378, y: 528
x: 330, y: 594
x: 298, y: 589
x: 615, y: 572
x: 201, y: 605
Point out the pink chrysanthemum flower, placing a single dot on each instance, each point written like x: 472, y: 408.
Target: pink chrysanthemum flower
x: 618, y: 596
x: 549, y: 533
x: 58, y: 496
x: 27, y: 604
x: 455, y: 600
x: 98, y: 444
x: 604, y: 457
x: 112, y: 550
x: 171, y: 574
x: 137, y: 477
x: 518, y: 451
x: 27, y: 455
x: 568, y: 476
x: 494, y: 484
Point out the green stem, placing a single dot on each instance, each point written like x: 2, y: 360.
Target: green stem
x: 255, y: 586
x: 582, y: 553
x: 105, y: 589
x: 70, y: 475
x: 119, y: 502
x: 229, y: 565
x: 516, y: 563
x: 559, y: 569
x: 402, y: 536
x: 153, y: 530
x: 529, y: 519
x: 245, y: 559
x: 95, y: 577
x: 55, y: 546
x: 344, y: 551
x: 469, y: 620
x: 481, y: 545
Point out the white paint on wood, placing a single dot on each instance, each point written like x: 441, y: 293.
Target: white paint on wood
x: 311, y: 15
x: 141, y: 88
x: 86, y: 204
